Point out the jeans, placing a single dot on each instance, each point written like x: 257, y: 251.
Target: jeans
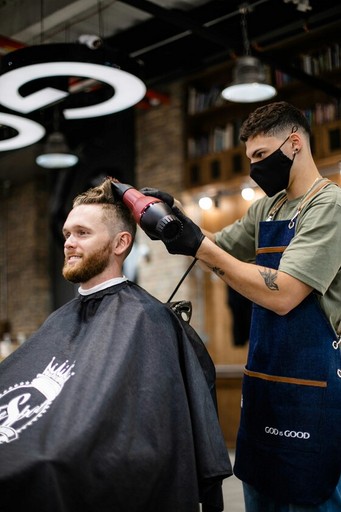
x: 256, y: 502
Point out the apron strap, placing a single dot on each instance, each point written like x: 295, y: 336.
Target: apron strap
x: 319, y: 185
x: 276, y: 207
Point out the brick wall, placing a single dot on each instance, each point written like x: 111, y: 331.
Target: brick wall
x: 24, y: 262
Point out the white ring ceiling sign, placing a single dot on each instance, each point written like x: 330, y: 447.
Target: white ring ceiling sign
x: 29, y: 132
x: 128, y: 89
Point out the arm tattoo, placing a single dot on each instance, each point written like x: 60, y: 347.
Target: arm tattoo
x: 269, y: 277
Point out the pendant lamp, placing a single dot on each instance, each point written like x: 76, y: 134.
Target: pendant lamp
x: 46, y: 61
x: 249, y: 78
x: 28, y: 79
x: 56, y: 153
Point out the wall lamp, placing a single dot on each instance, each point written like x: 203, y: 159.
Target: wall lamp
x: 206, y: 202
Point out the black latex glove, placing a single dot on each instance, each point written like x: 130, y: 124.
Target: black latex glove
x: 190, y: 239
x: 163, y: 196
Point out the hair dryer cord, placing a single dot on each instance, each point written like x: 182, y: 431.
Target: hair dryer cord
x: 182, y: 279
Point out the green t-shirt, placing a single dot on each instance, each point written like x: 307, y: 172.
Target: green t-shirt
x: 314, y: 254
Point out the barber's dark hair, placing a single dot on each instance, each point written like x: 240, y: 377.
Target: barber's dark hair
x: 273, y: 119
x: 114, y: 210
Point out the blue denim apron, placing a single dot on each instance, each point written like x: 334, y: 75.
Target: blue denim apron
x: 289, y: 443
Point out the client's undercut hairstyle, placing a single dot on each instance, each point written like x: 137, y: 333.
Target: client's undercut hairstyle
x: 114, y: 210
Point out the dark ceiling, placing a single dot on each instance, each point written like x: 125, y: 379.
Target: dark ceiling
x: 170, y: 38
x: 175, y: 42
x: 167, y: 40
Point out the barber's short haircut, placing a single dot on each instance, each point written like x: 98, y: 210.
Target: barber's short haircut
x: 274, y: 119
x: 114, y: 210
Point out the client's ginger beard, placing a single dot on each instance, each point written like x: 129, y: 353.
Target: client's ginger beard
x: 88, y: 266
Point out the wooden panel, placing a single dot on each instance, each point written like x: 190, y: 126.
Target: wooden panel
x: 216, y: 167
x: 327, y: 140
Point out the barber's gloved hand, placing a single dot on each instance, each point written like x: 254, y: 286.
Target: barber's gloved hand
x: 189, y: 241
x: 163, y: 196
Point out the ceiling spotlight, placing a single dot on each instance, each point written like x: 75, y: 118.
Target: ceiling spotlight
x: 302, y: 5
x: 92, y: 41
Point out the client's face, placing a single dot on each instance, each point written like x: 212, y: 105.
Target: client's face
x: 87, y: 247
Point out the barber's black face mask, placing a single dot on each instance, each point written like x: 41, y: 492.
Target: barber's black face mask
x: 272, y: 173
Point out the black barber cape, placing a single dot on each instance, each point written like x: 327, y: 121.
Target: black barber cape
x: 106, y: 408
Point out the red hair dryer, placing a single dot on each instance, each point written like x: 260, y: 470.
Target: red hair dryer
x: 154, y: 216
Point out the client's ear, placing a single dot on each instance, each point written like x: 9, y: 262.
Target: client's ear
x: 122, y: 242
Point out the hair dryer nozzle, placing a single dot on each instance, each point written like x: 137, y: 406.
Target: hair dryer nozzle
x: 119, y: 189
x: 159, y: 220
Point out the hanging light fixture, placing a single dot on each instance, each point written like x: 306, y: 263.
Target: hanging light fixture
x: 56, y: 153
x: 24, y: 132
x: 29, y: 68
x: 36, y: 77
x: 88, y: 58
x: 249, y: 78
x: 45, y: 61
x: 28, y: 78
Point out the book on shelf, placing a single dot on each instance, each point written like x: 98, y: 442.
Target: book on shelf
x: 322, y: 60
x: 322, y: 113
x: 217, y: 139
x: 201, y: 100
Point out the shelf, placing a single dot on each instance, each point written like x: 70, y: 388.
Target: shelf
x: 214, y: 153
x: 226, y: 165
x: 327, y: 140
x: 216, y: 167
